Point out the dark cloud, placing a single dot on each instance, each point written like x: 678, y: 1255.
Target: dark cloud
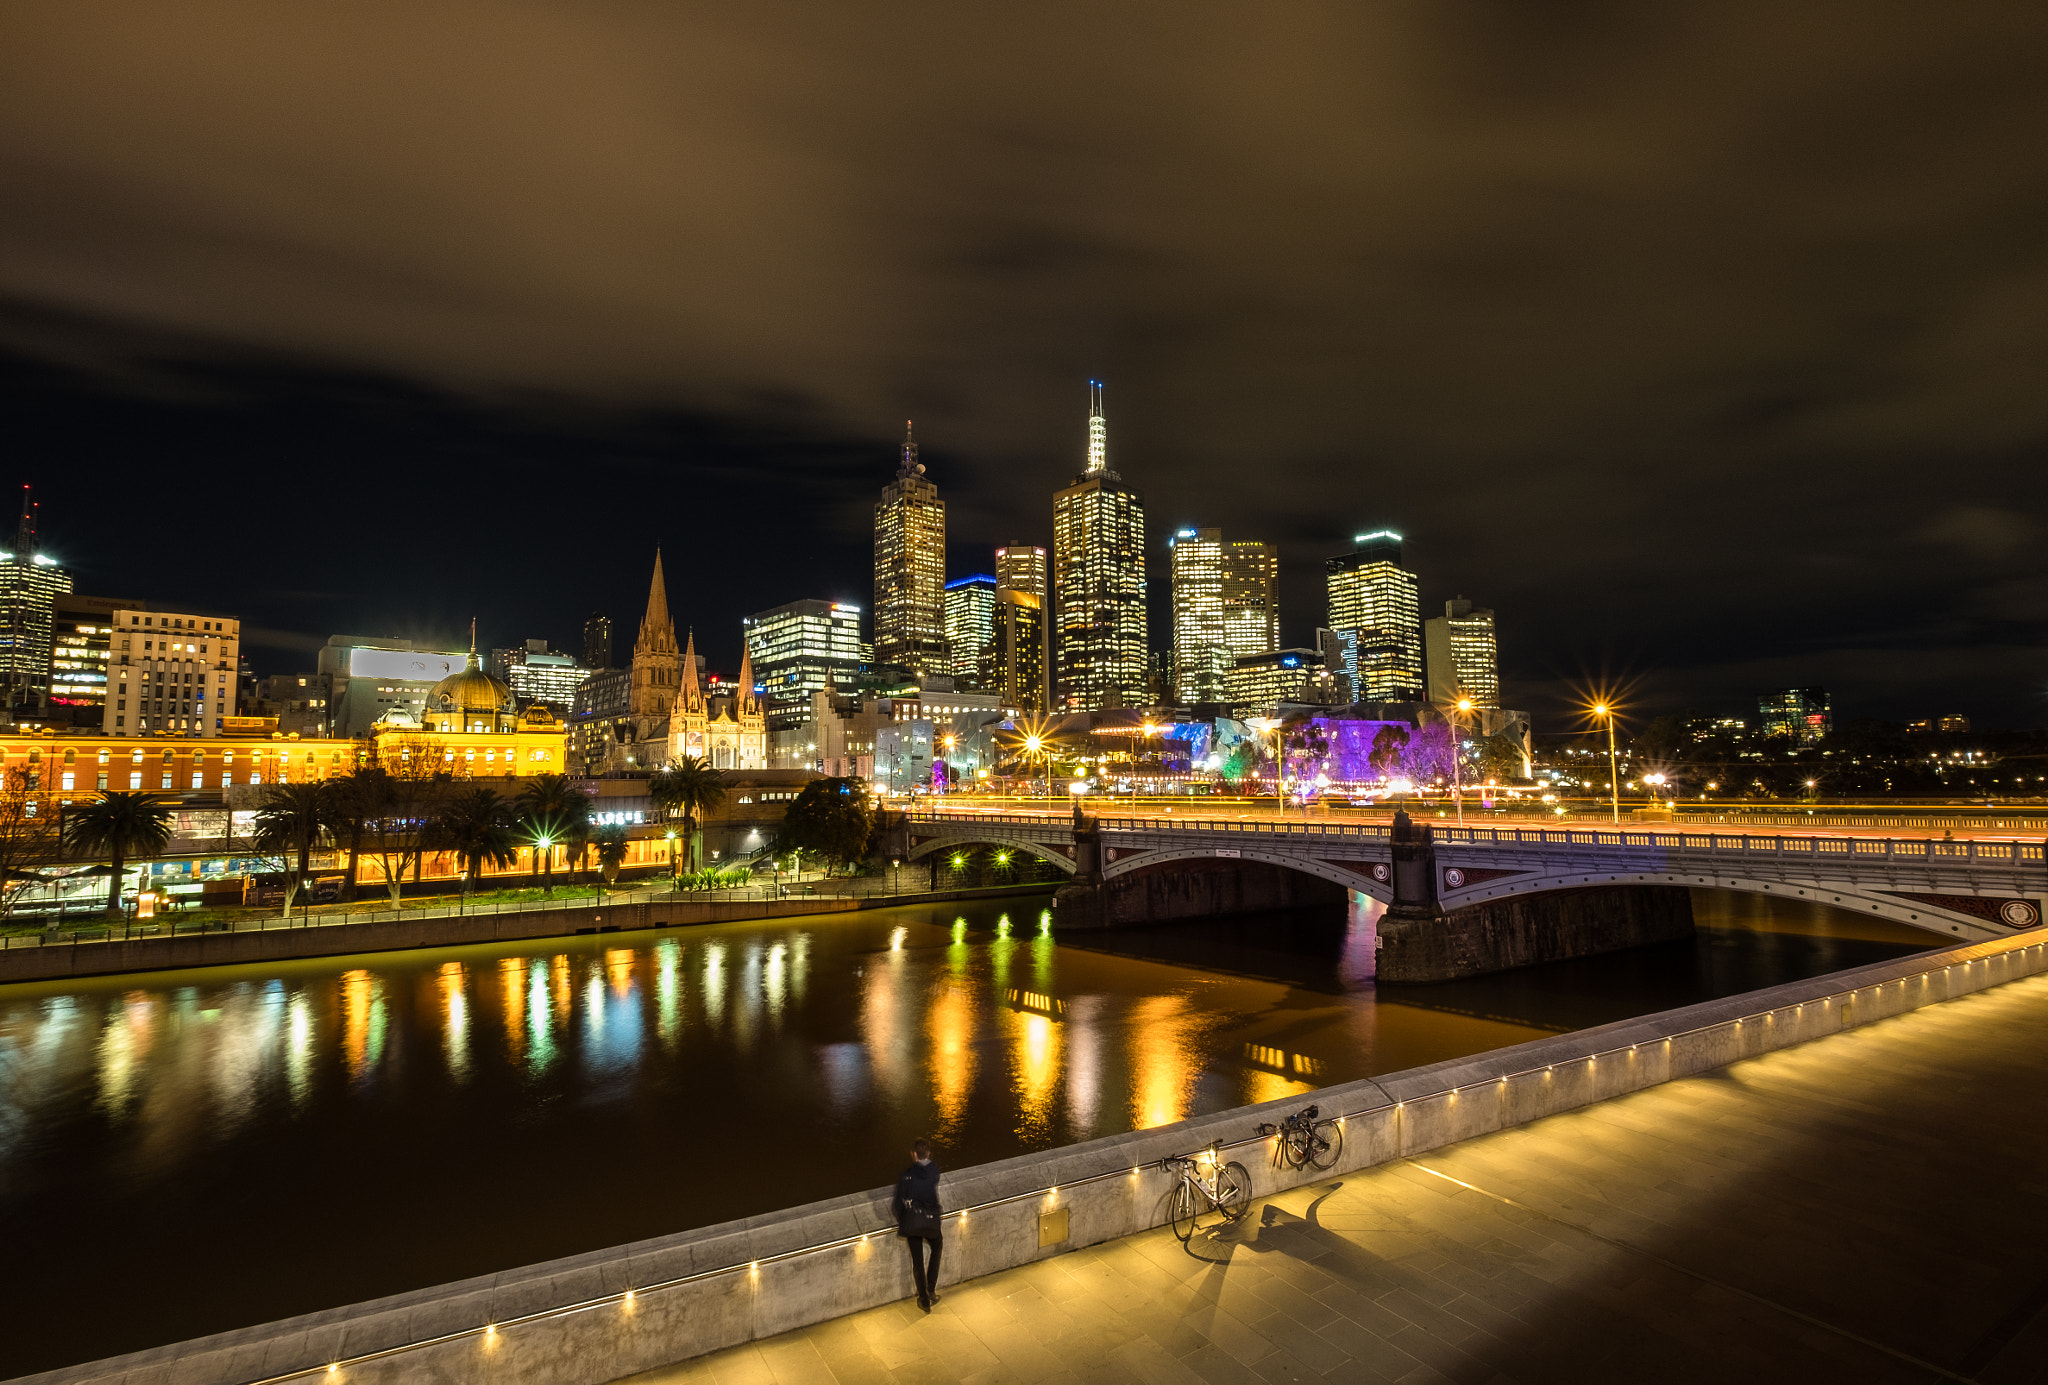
x: 1704, y: 342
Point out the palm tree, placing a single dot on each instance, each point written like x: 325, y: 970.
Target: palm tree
x: 480, y: 827
x: 556, y: 813
x: 120, y: 825
x: 290, y: 821
x: 689, y: 785
x: 611, y: 851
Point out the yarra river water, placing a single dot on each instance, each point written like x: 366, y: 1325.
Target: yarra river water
x: 182, y: 1153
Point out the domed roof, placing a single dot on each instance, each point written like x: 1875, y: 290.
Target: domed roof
x: 471, y: 690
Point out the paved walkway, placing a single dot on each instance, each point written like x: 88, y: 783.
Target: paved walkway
x: 1872, y: 1207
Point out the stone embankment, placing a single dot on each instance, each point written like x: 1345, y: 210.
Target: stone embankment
x: 117, y: 956
x: 601, y: 1316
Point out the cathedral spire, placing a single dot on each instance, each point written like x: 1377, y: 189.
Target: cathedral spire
x: 657, y: 630
x: 691, y: 697
x: 746, y: 697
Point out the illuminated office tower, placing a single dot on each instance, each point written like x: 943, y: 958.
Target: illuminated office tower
x: 1463, y: 661
x: 1021, y: 567
x: 910, y: 570
x: 597, y: 641
x: 970, y: 626
x: 1805, y: 715
x: 30, y: 583
x: 1098, y: 582
x: 1224, y: 609
x: 1020, y: 651
x: 799, y: 649
x: 1374, y: 603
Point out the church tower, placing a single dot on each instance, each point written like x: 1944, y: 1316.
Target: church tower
x: 656, y: 666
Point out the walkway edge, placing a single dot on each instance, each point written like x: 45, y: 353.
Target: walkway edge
x: 597, y: 1317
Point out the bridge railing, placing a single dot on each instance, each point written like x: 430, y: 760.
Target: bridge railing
x: 1919, y: 850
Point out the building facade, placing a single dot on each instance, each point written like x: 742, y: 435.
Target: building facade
x: 171, y: 674
x: 81, y: 647
x: 371, y: 677
x: 1463, y: 659
x: 1375, y: 605
x: 597, y: 641
x: 657, y: 671
x: 730, y: 731
x: 1805, y: 714
x: 30, y: 583
x: 1260, y: 682
x: 800, y: 649
x: 1225, y: 607
x: 971, y: 627
x: 1098, y: 582
x: 910, y: 570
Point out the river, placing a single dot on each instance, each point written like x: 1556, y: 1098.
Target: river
x: 186, y: 1152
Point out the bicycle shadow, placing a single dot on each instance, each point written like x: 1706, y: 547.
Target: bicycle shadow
x: 1226, y: 1236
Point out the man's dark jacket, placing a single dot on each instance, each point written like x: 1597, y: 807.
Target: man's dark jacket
x: 920, y: 1185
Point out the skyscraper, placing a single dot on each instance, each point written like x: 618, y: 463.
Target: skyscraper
x: 797, y: 649
x: 597, y: 641
x: 970, y: 626
x: 1020, y: 647
x: 1804, y: 714
x: 1225, y: 608
x: 1463, y: 661
x: 910, y: 570
x: 1374, y: 602
x: 30, y: 583
x: 1098, y: 582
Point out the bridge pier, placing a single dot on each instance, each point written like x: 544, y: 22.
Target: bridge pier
x: 1527, y: 930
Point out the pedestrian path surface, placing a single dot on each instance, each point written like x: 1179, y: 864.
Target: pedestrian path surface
x: 1870, y: 1207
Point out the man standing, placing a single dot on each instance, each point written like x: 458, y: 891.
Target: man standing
x: 917, y: 1221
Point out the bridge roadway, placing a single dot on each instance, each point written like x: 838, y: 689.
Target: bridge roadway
x: 1866, y: 1207
x: 1974, y: 889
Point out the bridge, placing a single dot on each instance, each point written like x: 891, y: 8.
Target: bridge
x: 1975, y: 890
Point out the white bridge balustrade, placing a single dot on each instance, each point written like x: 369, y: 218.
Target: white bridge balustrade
x: 1969, y: 889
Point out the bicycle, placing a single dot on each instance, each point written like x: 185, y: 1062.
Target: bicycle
x: 1306, y: 1141
x: 1225, y: 1188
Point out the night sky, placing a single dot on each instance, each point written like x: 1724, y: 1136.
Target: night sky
x: 1709, y: 345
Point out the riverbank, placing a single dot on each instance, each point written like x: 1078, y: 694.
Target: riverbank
x: 607, y: 1314
x: 289, y: 940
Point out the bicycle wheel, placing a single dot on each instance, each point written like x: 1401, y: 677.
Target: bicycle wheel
x: 1296, y: 1144
x: 1233, y: 1190
x: 1327, y: 1145
x: 1184, y: 1211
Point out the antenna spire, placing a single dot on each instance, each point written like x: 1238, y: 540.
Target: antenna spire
x: 1098, y: 430
x: 909, y: 449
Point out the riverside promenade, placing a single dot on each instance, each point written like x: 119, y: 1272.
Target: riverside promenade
x: 1869, y: 1206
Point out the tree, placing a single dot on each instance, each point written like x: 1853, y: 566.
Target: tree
x: 416, y: 776
x: 1501, y: 758
x: 355, y: 801
x: 1431, y: 753
x: 290, y: 822
x: 611, y: 851
x: 480, y: 827
x: 119, y: 825
x: 554, y: 812
x: 689, y: 786
x: 28, y: 837
x: 831, y: 819
x: 1304, y: 747
x: 1389, y: 743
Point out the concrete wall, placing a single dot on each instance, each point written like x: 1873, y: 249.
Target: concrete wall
x: 59, y: 961
x: 1524, y: 930
x: 1197, y: 887
x: 596, y: 1317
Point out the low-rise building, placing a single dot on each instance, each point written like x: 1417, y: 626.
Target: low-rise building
x: 170, y: 673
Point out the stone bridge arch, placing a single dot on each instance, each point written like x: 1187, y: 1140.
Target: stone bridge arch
x: 1043, y: 851
x: 1355, y: 875
x: 1976, y: 920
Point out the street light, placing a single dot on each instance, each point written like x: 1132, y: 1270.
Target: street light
x: 1457, y: 752
x: 1601, y: 709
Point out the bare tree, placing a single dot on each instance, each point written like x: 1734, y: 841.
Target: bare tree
x: 29, y: 838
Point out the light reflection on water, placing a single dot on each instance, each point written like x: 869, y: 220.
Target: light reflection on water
x: 415, y: 1098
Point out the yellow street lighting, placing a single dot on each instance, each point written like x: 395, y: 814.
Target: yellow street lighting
x: 1606, y: 713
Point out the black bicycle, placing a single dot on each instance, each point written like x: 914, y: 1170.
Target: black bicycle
x: 1207, y: 1185
x: 1306, y: 1141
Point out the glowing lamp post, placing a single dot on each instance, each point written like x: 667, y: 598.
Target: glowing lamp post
x: 1606, y: 713
x: 1457, y: 753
